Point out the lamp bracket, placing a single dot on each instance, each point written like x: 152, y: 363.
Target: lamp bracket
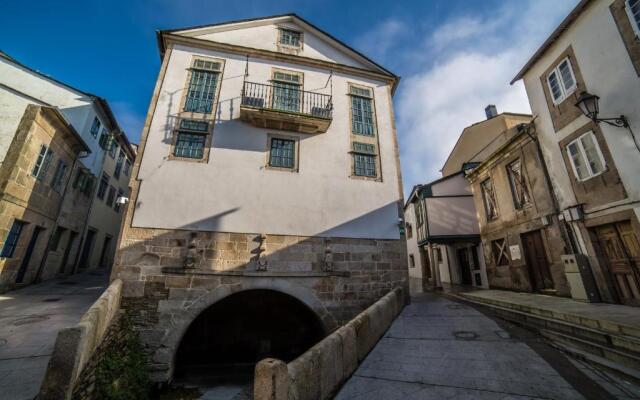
x: 620, y: 122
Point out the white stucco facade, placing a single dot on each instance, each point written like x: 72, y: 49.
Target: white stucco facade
x: 234, y: 190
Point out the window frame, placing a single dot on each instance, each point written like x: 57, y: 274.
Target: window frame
x: 102, y: 195
x: 518, y: 203
x: 565, y: 92
x: 119, y: 164
x: 179, y: 129
x: 95, y: 127
x: 296, y: 151
x: 374, y: 122
x: 4, y: 253
x: 111, y: 196
x: 489, y: 217
x: 499, y: 252
x: 127, y: 167
x: 184, y: 113
x: 635, y: 24
x: 583, y: 153
x: 59, y: 175
x: 286, y: 46
x: 273, y: 81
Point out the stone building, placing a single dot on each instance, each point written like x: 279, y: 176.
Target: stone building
x: 443, y: 238
x: 266, y: 199
x: 593, y: 156
x: 35, y: 177
x: 91, y: 117
x: 517, y: 214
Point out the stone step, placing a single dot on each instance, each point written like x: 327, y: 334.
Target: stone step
x: 588, y: 352
x: 582, y: 318
x: 616, y: 348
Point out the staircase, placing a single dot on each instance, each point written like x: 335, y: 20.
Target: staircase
x: 611, y: 345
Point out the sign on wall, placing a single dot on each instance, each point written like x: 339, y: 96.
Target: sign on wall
x: 515, y: 252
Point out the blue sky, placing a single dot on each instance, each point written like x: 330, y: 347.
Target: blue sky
x: 454, y: 56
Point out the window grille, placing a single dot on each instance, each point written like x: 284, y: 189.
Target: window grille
x: 282, y: 153
x: 361, y: 115
x: 201, y: 91
x: 189, y: 145
x: 290, y: 38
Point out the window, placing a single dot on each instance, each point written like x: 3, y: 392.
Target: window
x: 364, y: 159
x: 287, y: 91
x: 290, y: 38
x: 439, y: 254
x: 499, y: 248
x: 562, y: 81
x: 111, y: 196
x: 116, y: 172
x: 127, y: 167
x: 58, y: 176
x: 489, y: 198
x: 84, y: 182
x: 409, y: 231
x: 361, y: 111
x: 518, y: 185
x: 95, y: 127
x: 40, y: 160
x: 112, y: 149
x: 11, y: 241
x: 585, y: 156
x: 412, y: 261
x: 202, y: 86
x: 633, y: 10
x: 104, y: 184
x: 282, y: 153
x: 191, y: 139
x: 419, y: 215
x: 105, y: 140
x: 116, y: 207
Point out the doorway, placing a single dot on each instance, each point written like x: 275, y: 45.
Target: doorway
x: 24, y: 265
x: 617, y: 247
x: 465, y: 267
x: 86, y: 249
x: 70, y: 243
x: 104, y: 254
x: 536, y: 259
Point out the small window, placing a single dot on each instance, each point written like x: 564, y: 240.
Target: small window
x: 127, y: 167
x: 290, y: 38
x: 202, y: 86
x: 364, y: 159
x: 11, y: 242
x: 95, y: 127
x: 58, y: 176
x: 116, y: 172
x: 190, y: 145
x: 39, y: 161
x: 499, y: 248
x: 105, y: 140
x: 562, y: 81
x: 519, y: 188
x: 282, y: 153
x: 362, y: 111
x: 585, y: 157
x: 489, y: 198
x: 412, y: 261
x: 111, y: 196
x: 104, y: 184
x: 633, y: 11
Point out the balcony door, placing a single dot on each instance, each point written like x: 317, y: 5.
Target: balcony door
x: 287, y: 91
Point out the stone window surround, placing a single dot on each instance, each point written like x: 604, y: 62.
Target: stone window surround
x: 489, y: 178
x: 565, y: 111
x: 374, y: 140
x: 209, y: 117
x: 601, y: 184
x: 273, y: 80
x: 296, y: 162
x: 501, y: 246
x: 586, y: 159
x: 287, y: 48
x: 565, y: 92
x: 628, y: 34
x: 525, y: 179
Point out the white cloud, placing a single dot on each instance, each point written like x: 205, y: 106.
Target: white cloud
x: 467, y: 63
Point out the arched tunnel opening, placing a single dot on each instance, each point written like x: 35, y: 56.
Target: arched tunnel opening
x: 223, y: 344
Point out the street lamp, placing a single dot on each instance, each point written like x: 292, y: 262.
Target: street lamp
x: 588, y: 104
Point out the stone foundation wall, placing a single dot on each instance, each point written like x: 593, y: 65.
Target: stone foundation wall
x: 171, y: 276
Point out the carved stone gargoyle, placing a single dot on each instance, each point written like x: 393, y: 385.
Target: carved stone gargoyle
x: 261, y: 264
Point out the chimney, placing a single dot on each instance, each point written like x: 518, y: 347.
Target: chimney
x: 491, y: 111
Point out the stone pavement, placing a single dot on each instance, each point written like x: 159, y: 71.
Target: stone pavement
x: 30, y: 319
x: 439, y: 349
x: 609, y: 317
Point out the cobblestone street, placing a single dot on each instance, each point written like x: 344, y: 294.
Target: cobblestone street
x: 439, y: 349
x: 30, y: 319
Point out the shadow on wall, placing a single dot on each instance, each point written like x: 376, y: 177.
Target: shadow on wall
x: 48, y: 229
x: 174, y: 277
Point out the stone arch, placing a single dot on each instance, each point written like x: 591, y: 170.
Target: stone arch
x: 183, y: 318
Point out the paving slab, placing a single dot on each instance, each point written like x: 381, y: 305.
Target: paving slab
x: 30, y: 319
x: 613, y: 318
x: 438, y: 348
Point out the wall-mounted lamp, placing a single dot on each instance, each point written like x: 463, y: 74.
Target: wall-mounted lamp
x: 588, y: 104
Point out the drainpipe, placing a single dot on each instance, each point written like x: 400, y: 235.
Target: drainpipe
x: 43, y: 262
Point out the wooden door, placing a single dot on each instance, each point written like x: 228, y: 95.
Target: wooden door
x: 465, y: 268
x: 24, y: 265
x: 620, y: 251
x: 536, y: 259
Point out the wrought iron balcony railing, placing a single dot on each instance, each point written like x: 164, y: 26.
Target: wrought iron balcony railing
x: 287, y: 99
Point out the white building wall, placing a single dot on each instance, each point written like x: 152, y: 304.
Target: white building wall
x: 412, y: 243
x: 608, y: 72
x: 233, y: 192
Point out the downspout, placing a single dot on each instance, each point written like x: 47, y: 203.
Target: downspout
x: 43, y: 262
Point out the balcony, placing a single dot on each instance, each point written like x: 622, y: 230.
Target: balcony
x: 285, y: 108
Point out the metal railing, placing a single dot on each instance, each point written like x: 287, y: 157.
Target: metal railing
x: 286, y: 98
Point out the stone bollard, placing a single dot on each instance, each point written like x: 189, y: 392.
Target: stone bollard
x: 271, y: 381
